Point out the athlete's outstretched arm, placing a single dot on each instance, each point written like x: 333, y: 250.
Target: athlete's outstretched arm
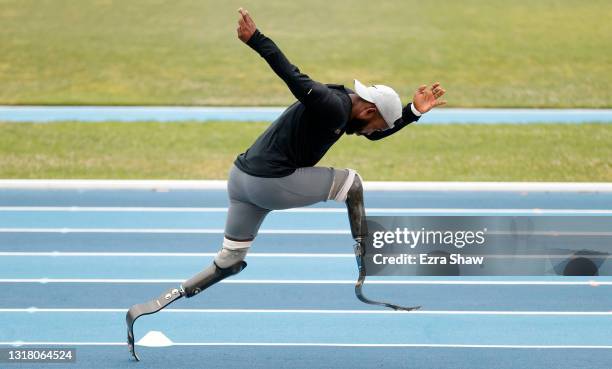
x: 307, y: 91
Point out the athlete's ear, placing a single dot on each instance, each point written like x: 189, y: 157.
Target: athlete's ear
x: 368, y: 113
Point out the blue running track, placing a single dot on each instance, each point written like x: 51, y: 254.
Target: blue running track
x: 73, y: 261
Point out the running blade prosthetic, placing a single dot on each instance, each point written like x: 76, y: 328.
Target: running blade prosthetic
x: 359, y: 254
x: 147, y: 308
x: 191, y: 287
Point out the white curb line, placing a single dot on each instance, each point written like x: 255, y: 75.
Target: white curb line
x: 166, y: 185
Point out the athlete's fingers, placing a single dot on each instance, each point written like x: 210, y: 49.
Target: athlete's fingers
x: 440, y: 103
x: 246, y: 18
x: 435, y: 85
x: 438, y: 92
x: 421, y: 88
x: 249, y: 19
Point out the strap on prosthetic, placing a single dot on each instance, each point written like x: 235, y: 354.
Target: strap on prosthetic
x: 359, y: 231
x: 189, y: 288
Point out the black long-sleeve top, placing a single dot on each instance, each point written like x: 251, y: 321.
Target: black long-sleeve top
x: 304, y: 132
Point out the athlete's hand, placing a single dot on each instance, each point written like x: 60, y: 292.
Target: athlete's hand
x: 246, y: 26
x: 426, y: 99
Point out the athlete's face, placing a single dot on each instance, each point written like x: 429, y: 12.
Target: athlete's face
x: 374, y: 125
x: 367, y: 121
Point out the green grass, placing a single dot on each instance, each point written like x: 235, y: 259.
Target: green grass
x: 488, y: 53
x: 206, y: 151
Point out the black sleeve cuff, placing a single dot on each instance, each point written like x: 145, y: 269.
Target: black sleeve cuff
x: 255, y: 39
x: 408, y: 116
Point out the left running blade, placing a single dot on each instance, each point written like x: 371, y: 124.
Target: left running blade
x: 147, y: 308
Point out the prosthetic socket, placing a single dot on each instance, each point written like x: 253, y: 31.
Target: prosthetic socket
x: 208, y: 277
x: 356, y: 212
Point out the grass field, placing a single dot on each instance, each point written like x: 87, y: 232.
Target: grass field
x: 488, y: 53
x: 206, y: 151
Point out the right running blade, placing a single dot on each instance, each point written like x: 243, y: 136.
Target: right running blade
x: 147, y: 308
x: 362, y: 298
x: 359, y: 255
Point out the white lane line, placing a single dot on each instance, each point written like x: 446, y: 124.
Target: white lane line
x: 176, y: 254
x: 592, y: 283
x: 307, y: 210
x: 167, y: 230
x: 251, y: 255
x: 56, y: 343
x: 314, y: 311
x: 165, y: 185
x: 265, y: 231
x: 552, y: 233
x: 110, y: 184
x: 127, y: 209
x: 315, y: 344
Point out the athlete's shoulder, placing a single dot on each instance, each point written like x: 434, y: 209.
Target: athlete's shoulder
x: 335, y: 86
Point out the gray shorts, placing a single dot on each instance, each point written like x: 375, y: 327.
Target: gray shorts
x: 252, y: 198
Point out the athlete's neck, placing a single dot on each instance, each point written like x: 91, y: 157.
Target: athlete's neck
x: 357, y: 105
